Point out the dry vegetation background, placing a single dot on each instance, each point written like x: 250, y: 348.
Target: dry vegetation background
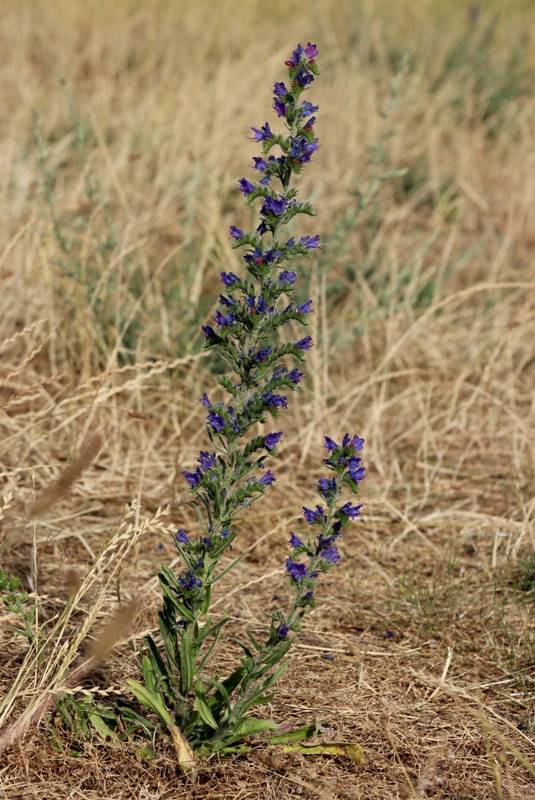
x: 123, y: 132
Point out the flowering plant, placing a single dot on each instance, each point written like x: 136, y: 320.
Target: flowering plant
x: 201, y: 710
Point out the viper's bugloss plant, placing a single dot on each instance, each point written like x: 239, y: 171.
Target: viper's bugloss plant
x: 202, y: 709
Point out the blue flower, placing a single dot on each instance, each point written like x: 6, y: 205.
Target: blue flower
x: 330, y: 554
x: 311, y: 242
x: 193, y: 478
x: 209, y: 334
x: 355, y: 469
x: 189, y: 581
x: 275, y: 400
x: 327, y: 487
x: 279, y: 107
x: 295, y: 376
x: 296, y: 56
x: 229, y: 278
x: 246, y: 187
x: 262, y: 354
x: 288, y: 277
x: 259, y: 163
x: 311, y: 51
x: 225, y: 533
x: 235, y: 232
x: 283, y: 631
x: 304, y: 344
x: 306, y: 308
x: 313, y: 516
x: 329, y: 444
x: 304, y: 77
x: 263, y: 134
x: 296, y: 570
x: 271, y: 440
x: 226, y: 301
x: 181, y: 536
x: 302, y: 149
x: 274, y: 205
x: 280, y: 89
x: 222, y: 320
x: 216, y: 421
x: 295, y: 541
x: 207, y: 460
x: 205, y: 401
x: 350, y: 510
x: 308, y: 108
x: 267, y: 479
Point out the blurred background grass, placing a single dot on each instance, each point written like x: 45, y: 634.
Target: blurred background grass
x: 124, y: 132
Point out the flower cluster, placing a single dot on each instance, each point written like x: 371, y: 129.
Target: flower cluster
x: 245, y: 331
x: 328, y: 520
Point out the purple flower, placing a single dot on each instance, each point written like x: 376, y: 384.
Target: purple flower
x: 279, y: 107
x: 267, y: 479
x: 226, y: 301
x: 229, y: 278
x: 235, y: 232
x: 222, y: 320
x: 327, y: 487
x: 296, y: 56
x: 311, y: 242
x: 188, y: 580
x: 262, y: 228
x: 193, y: 478
x: 357, y: 443
x: 205, y: 401
x: 330, y: 554
x: 262, y: 134
x: 288, y: 276
x: 355, y: 469
x: 304, y: 77
x: 207, y: 460
x: 225, y: 533
x: 350, y: 510
x: 283, y: 631
x: 262, y: 354
x: 246, y: 187
x: 313, y: 516
x: 296, y: 570
x: 280, y: 89
x: 329, y: 444
x: 259, y: 163
x: 305, y: 308
x: 311, y: 51
x: 304, y: 344
x: 308, y: 108
x: 274, y: 205
x: 302, y: 149
x: 295, y: 376
x: 209, y: 334
x: 275, y: 400
x: 271, y: 440
x: 181, y: 536
x: 216, y: 421
x: 295, y: 541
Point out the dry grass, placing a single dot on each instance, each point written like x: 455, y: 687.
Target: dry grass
x: 113, y: 230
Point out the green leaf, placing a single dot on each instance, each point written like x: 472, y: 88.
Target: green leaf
x: 336, y: 749
x: 252, y: 725
x: 152, y: 701
x: 186, y: 663
x: 203, y: 708
x: 296, y: 735
x: 100, y: 726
